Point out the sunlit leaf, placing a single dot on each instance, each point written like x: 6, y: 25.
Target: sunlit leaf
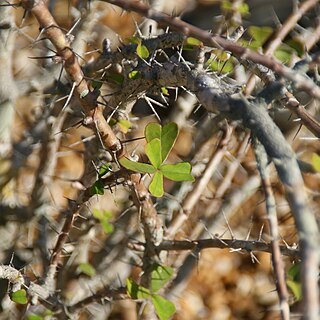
x: 165, y: 91
x: 296, y: 288
x: 177, y: 172
x: 284, y: 53
x: 297, y: 45
x: 169, y: 135
x: 134, y: 40
x: 316, y: 161
x: 156, y: 185
x: 135, y: 291
x: 33, y: 316
x: 193, y: 41
x: 152, y: 131
x: 160, y: 275
x: 164, y: 308
x: 294, y: 272
x: 19, y: 296
x: 222, y: 66
x: 104, y: 216
x: 104, y: 169
x: 87, y: 269
x: 142, y: 51
x: 124, y: 125
x: 243, y: 8
x: 153, y: 151
x: 136, y: 166
x: 134, y: 75
x: 106, y: 226
x: 260, y: 34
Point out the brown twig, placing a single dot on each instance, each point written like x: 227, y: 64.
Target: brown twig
x: 278, y: 266
x: 300, y: 81
x: 281, y: 34
x: 234, y: 244
x: 87, y: 99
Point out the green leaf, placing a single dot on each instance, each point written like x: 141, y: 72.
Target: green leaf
x: 152, y: 131
x: 193, y: 41
x: 177, y: 172
x: 260, y: 34
x: 134, y: 75
x: 19, y: 296
x: 104, y: 169
x: 87, y: 269
x: 153, y: 151
x: 284, y: 53
x: 226, y: 5
x: 296, y: 289
x: 165, y: 91
x: 135, y: 291
x: 243, y: 8
x: 33, y: 316
x: 316, y: 161
x: 142, y: 51
x: 104, y: 216
x: 222, y: 66
x: 169, y: 135
x: 97, y: 188
x: 164, y: 308
x: 134, y: 40
x: 160, y: 275
x: 297, y: 45
x: 294, y: 272
x: 137, y: 166
x: 124, y: 125
x: 107, y: 227
x: 156, y: 185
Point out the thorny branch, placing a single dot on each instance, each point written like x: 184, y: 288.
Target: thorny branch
x: 216, y: 95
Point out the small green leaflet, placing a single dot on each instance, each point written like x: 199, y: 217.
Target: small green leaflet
x: 142, y: 51
x: 260, y: 34
x: 153, y: 151
x: 165, y: 91
x: 135, y: 291
x: 160, y: 275
x: 167, y: 135
x: 164, y: 308
x: 33, y: 316
x: 87, y: 269
x: 293, y: 280
x: 19, y: 296
x: 316, y: 162
x: 156, y: 185
x: 193, y: 41
x: 104, y: 216
x: 104, y: 169
x: 177, y: 172
x: 134, y: 75
x: 137, y: 166
x: 160, y: 141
